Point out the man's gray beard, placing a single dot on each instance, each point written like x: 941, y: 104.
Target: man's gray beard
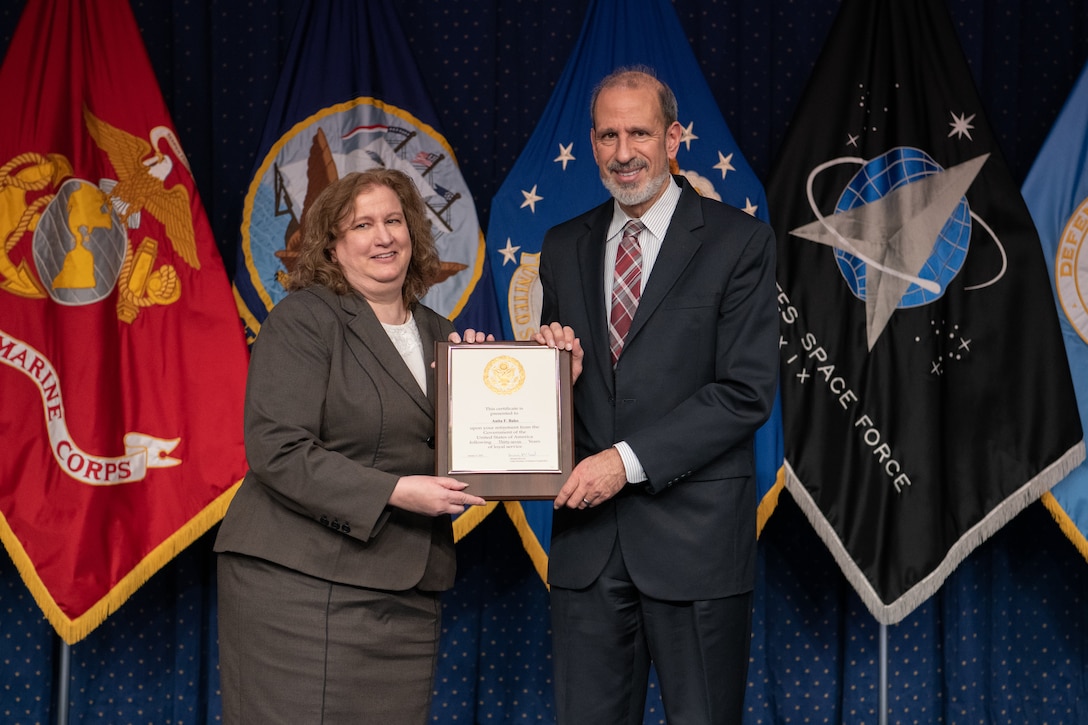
x: 633, y: 196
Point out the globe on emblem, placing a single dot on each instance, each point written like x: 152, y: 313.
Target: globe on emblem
x: 79, y: 245
x: 876, y: 179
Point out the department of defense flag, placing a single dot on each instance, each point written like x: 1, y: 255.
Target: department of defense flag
x: 1056, y: 191
x: 124, y: 362
x: 926, y: 396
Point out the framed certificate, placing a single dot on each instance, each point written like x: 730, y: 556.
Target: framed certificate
x: 503, y: 422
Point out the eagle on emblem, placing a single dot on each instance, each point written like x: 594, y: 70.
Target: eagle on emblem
x: 142, y: 169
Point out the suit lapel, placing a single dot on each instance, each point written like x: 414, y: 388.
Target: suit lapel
x: 677, y: 249
x: 366, y: 338
x: 429, y: 333
x: 591, y: 264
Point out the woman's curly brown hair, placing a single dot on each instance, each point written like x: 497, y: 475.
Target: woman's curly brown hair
x: 322, y: 226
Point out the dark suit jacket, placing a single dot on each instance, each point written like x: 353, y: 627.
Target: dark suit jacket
x: 333, y: 418
x: 696, y: 378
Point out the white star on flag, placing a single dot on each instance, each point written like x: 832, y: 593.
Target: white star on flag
x: 531, y: 199
x: 688, y: 136
x: 725, y: 164
x: 961, y: 126
x: 565, y: 154
x: 508, y: 253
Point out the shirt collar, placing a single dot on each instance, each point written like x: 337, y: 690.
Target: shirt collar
x: 656, y: 218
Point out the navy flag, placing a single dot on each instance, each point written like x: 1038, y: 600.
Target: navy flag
x: 351, y: 98
x: 556, y: 178
x: 1056, y: 191
x: 926, y: 396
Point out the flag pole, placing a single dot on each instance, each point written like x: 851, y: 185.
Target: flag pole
x: 883, y: 700
x: 64, y: 671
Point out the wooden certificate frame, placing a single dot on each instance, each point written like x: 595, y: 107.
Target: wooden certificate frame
x: 503, y: 418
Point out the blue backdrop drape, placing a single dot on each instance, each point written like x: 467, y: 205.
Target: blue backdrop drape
x: 1004, y: 641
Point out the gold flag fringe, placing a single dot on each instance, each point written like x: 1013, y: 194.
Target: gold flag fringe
x: 73, y: 630
x: 528, y: 539
x: 1065, y: 523
x: 468, y: 521
x: 248, y: 318
x: 769, y: 502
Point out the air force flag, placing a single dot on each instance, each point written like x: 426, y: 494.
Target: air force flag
x: 556, y: 178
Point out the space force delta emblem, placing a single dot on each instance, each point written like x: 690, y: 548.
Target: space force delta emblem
x: 901, y: 232
x: 361, y: 134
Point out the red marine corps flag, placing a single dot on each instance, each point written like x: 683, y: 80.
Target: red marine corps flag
x: 122, y: 362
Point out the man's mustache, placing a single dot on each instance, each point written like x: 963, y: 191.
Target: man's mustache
x: 632, y: 165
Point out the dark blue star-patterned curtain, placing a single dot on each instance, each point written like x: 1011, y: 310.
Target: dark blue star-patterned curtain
x: 1003, y: 641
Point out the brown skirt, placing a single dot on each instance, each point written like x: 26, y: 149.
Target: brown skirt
x: 295, y: 649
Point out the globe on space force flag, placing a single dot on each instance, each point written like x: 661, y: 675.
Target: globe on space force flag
x: 351, y: 98
x: 1056, y: 192
x: 926, y: 397
x: 556, y: 178
x: 124, y: 362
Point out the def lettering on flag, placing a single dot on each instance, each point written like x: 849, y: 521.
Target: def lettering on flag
x: 123, y: 360
x: 926, y: 397
x: 1056, y: 192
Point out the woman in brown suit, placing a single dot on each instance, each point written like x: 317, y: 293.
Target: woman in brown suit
x: 337, y: 544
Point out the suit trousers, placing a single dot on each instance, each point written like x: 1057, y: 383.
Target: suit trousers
x: 296, y: 649
x: 606, y: 636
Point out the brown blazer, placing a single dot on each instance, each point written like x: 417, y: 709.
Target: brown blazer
x: 333, y: 418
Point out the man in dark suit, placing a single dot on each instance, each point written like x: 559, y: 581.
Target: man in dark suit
x: 653, y: 542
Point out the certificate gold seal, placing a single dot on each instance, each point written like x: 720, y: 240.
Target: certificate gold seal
x: 504, y: 375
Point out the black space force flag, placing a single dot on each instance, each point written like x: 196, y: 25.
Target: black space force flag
x: 926, y: 394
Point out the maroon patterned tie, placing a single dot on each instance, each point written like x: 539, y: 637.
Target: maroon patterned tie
x: 625, y: 286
